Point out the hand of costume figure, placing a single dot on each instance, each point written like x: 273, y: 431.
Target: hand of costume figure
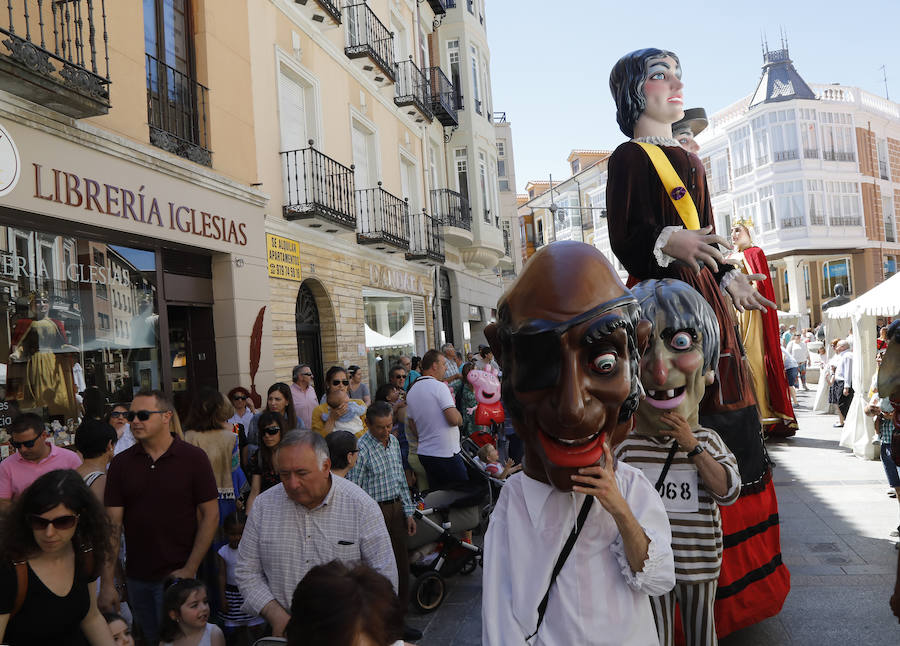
x: 679, y: 430
x: 693, y: 247
x: 745, y: 296
x: 411, y: 526
x: 600, y: 481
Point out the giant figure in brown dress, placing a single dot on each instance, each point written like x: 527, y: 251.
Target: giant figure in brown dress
x: 651, y: 240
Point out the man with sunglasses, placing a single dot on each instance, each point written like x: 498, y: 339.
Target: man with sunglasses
x: 34, y: 457
x: 568, y: 336
x: 304, y: 395
x: 164, y: 492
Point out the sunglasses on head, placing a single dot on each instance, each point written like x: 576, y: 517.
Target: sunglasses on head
x: 142, y: 415
x: 536, y: 346
x: 336, y: 382
x: 26, y: 443
x: 272, y: 430
x: 39, y: 523
x: 237, y: 397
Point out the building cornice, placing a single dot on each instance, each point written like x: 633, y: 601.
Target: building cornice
x: 150, y: 157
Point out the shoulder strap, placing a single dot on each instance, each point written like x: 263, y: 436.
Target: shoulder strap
x: 563, y: 555
x: 673, y: 185
x: 21, y: 587
x: 665, y: 469
x: 91, y: 478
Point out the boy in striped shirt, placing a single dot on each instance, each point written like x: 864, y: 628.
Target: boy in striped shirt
x: 692, y: 468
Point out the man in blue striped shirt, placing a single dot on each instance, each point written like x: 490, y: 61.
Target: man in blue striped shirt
x: 379, y: 472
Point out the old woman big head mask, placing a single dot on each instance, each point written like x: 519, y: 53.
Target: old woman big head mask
x: 568, y: 336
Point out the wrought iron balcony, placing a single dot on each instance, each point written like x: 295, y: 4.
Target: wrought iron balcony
x: 785, y: 155
x: 507, y: 247
x: 412, y: 90
x: 444, y: 99
x: 451, y: 208
x: 381, y: 219
x: 177, y: 111
x: 320, y: 10
x: 439, y: 7
x: 425, y: 240
x: 368, y: 38
x: 51, y: 52
x: 318, y: 187
x: 810, y: 153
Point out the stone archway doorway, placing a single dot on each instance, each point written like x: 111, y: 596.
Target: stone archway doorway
x: 309, y: 335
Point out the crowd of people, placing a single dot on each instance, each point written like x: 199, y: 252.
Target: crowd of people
x: 171, y: 532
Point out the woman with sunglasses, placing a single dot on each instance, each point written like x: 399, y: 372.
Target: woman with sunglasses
x: 243, y: 415
x: 54, y: 540
x: 335, y: 379
x: 261, y: 466
x: 117, y: 418
x: 278, y: 400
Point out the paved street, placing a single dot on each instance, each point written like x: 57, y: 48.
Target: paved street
x: 836, y: 519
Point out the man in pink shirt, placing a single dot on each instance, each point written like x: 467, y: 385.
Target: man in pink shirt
x: 304, y: 395
x: 34, y: 457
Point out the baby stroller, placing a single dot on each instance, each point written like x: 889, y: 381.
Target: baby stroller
x: 436, y: 550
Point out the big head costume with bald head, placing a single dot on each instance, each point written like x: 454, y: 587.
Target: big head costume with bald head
x: 568, y: 337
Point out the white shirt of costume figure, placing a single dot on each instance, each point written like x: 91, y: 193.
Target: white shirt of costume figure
x: 663, y: 98
x: 672, y: 375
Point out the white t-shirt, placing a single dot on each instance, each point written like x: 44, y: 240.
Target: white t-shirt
x: 798, y: 350
x: 426, y: 402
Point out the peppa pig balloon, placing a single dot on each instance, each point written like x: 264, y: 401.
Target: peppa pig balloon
x: 486, y: 384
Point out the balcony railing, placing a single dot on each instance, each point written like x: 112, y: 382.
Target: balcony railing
x: 810, y: 153
x: 381, y: 217
x: 785, y: 155
x: 367, y: 36
x: 52, y: 51
x: 816, y: 219
x: 443, y: 96
x: 499, y: 117
x: 507, y: 247
x: 177, y: 111
x: 425, y: 239
x: 762, y: 160
x: 831, y: 155
x: 327, y: 6
x: 439, y: 7
x: 318, y: 186
x: 413, y: 89
x: 844, y: 220
x: 792, y: 223
x: 451, y: 208
x: 883, y: 169
x: 742, y: 170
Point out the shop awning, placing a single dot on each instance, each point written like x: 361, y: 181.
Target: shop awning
x: 403, y: 337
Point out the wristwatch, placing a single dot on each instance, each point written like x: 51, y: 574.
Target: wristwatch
x: 697, y: 450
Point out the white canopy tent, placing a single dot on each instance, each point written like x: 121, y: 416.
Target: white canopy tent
x: 882, y: 300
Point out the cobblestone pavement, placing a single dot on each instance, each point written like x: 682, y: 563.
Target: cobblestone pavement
x: 835, y: 524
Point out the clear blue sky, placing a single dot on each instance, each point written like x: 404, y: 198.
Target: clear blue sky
x: 550, y: 60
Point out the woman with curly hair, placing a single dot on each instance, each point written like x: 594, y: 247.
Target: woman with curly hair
x: 54, y: 542
x: 208, y: 429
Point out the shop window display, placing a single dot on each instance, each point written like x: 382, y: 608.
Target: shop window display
x: 74, y: 314
x: 389, y: 334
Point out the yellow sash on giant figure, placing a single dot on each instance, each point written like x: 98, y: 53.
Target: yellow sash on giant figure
x: 674, y: 186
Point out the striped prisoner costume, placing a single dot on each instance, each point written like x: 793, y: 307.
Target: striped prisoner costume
x: 696, y: 534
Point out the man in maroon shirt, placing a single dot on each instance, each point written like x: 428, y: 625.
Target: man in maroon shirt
x: 164, y: 492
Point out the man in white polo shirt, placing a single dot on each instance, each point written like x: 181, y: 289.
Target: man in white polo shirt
x: 34, y: 457
x: 431, y: 408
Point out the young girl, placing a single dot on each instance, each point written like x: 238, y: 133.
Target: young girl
x: 241, y: 627
x: 185, y: 615
x: 121, y: 631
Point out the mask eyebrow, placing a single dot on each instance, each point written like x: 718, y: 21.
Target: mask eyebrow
x: 603, y: 327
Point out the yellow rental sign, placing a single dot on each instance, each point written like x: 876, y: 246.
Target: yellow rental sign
x: 283, y: 257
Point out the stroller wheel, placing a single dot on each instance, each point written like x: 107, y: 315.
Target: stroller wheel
x: 428, y: 592
x: 469, y: 566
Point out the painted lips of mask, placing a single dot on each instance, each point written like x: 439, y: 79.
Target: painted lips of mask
x: 665, y: 399
x: 562, y: 453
